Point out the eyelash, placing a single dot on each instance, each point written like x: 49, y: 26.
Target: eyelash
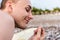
x: 27, y: 9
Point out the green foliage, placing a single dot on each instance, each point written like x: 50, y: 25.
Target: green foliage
x: 36, y: 11
x: 56, y: 9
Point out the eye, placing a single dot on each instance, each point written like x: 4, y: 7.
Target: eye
x: 27, y: 9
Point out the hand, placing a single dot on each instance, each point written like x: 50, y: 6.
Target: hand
x: 38, y: 34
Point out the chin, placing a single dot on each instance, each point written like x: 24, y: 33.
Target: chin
x: 22, y: 26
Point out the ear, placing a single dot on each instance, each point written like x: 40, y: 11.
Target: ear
x: 9, y: 6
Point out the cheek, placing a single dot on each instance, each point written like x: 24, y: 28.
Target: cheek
x: 20, y: 13
x: 20, y: 17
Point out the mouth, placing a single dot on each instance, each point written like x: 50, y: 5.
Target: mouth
x: 27, y: 21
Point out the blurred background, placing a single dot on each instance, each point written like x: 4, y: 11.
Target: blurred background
x: 45, y: 6
x: 47, y: 15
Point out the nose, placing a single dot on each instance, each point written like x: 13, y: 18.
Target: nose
x: 30, y: 16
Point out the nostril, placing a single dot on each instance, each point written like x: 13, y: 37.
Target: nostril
x: 31, y: 16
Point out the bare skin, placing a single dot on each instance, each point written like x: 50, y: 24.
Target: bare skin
x: 38, y: 34
x: 6, y: 26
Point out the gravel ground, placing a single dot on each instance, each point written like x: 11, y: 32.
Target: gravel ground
x: 45, y: 20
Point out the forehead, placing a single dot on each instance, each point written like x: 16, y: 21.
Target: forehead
x: 23, y: 2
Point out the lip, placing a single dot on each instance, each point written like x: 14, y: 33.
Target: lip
x: 27, y: 21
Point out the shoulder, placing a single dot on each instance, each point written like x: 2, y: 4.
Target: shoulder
x: 6, y: 26
x: 5, y: 18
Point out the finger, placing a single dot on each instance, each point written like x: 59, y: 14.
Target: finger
x: 35, y: 31
x: 39, y: 31
x: 43, y: 34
